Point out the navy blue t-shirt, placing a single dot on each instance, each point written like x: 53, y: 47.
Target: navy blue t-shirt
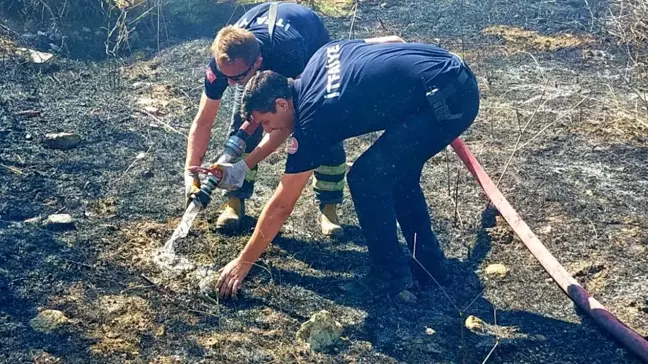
x: 351, y: 88
x: 298, y: 33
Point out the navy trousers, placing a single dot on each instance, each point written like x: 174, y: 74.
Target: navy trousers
x: 385, y: 180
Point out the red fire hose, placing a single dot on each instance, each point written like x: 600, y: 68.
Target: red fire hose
x: 627, y: 336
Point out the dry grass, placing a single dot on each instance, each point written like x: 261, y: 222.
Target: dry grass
x: 531, y: 40
x: 330, y: 8
x: 628, y: 21
x: 578, y: 190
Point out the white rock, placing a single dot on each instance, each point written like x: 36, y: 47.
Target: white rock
x: 320, y: 331
x: 407, y: 296
x: 496, y: 270
x: 207, y: 285
x: 62, y: 141
x: 545, y: 230
x: 48, y: 321
x: 34, y: 220
x: 475, y: 324
x: 60, y: 221
x: 138, y: 84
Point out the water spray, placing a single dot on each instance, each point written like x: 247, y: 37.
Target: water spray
x: 234, y: 149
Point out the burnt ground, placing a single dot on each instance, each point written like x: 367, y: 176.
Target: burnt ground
x: 580, y: 183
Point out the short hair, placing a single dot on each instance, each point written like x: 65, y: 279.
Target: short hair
x: 262, y: 92
x: 234, y: 43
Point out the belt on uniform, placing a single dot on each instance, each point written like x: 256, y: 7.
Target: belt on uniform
x: 448, y: 89
x: 438, y: 97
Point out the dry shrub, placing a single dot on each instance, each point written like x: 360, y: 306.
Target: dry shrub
x: 91, y: 21
x: 628, y: 21
x: 80, y: 27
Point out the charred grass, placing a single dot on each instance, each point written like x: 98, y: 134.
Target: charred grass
x: 553, y: 98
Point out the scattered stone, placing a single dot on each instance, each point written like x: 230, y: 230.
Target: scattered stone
x: 60, y: 222
x: 585, y: 269
x: 34, y: 220
x: 43, y: 357
x: 500, y: 234
x: 407, y: 296
x: 138, y: 84
x: 508, y: 333
x: 545, y: 230
x: 48, y: 321
x: 596, y: 54
x: 145, y: 101
x: 320, y: 331
x: 36, y: 56
x: 207, y: 285
x: 29, y: 36
x: 28, y: 136
x: 62, y: 141
x: 153, y: 110
x: 499, y: 270
x: 475, y: 324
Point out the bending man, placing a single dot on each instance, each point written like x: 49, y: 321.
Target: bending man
x: 422, y: 96
x: 238, y: 52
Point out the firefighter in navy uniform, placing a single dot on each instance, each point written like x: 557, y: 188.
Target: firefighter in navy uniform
x: 422, y: 96
x: 238, y: 52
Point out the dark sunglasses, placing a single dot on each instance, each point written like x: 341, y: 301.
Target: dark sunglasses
x: 241, y: 75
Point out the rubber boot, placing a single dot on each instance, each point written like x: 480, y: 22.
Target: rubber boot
x: 230, y: 219
x: 329, y: 221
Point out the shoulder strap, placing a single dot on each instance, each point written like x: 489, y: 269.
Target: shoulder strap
x: 272, y: 19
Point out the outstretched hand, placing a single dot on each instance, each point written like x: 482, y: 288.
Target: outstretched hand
x: 231, y: 277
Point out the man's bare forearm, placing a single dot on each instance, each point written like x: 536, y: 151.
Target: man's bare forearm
x: 274, y: 215
x: 200, y: 131
x: 270, y: 142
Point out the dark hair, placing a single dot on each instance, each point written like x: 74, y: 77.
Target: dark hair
x: 262, y: 92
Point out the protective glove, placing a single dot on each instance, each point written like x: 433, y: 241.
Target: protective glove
x: 233, y: 174
x: 192, y: 185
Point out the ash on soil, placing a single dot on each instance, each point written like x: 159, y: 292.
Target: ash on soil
x: 580, y: 184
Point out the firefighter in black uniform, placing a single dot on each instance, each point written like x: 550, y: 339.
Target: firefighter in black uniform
x: 422, y: 96
x: 239, y: 51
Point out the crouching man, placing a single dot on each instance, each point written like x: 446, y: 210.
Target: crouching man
x: 422, y: 96
x: 280, y: 37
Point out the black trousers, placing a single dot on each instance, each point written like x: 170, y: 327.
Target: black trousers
x: 385, y: 180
